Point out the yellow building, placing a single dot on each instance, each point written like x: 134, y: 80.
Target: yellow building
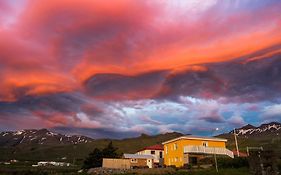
x: 187, y: 149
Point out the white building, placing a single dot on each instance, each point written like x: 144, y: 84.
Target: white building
x: 139, y: 160
x: 156, y: 151
x: 52, y: 163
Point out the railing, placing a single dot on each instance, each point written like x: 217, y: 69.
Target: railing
x: 208, y: 150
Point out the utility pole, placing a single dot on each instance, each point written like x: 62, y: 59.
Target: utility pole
x: 215, y: 156
x: 236, y: 143
x: 216, y: 163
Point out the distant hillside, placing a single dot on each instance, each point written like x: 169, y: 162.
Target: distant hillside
x: 42, y: 137
x: 42, y: 144
x: 76, y: 152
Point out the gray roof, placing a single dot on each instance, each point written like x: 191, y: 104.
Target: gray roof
x: 137, y: 156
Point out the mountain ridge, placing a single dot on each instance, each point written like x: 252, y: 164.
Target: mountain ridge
x: 78, y: 151
x: 47, y: 137
x: 263, y: 130
x: 39, y: 136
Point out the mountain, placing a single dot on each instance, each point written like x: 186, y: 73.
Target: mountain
x: 266, y: 135
x: 265, y: 130
x: 54, y: 149
x: 34, y: 145
x: 40, y: 137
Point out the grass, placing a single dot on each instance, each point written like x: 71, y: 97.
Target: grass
x: 225, y: 171
x: 25, y: 168
x: 22, y: 169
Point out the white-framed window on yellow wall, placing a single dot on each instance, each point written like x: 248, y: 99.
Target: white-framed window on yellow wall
x: 175, y: 146
x: 205, y: 144
x: 166, y: 149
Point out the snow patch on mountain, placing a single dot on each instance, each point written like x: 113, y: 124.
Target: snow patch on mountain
x: 41, y: 136
x: 248, y: 130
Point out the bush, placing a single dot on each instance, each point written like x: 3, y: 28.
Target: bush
x: 237, y: 162
x: 94, y: 159
x: 279, y: 164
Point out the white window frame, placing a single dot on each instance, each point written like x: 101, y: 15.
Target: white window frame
x: 204, y: 143
x: 175, y: 146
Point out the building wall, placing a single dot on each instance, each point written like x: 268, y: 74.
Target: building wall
x: 126, y: 163
x: 173, y: 154
x: 141, y: 162
x: 148, y: 152
x: 116, y: 163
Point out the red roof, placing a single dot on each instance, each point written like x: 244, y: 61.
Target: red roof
x: 241, y: 154
x: 153, y: 147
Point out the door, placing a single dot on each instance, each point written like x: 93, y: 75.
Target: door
x: 149, y: 163
x: 193, y: 160
x: 185, y: 159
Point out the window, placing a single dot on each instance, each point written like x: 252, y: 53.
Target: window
x: 134, y: 160
x: 152, y: 152
x: 205, y: 144
x: 176, y: 159
x: 175, y: 146
x: 160, y: 154
x: 166, y: 149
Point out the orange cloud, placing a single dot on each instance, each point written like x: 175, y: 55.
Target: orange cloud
x: 55, y: 46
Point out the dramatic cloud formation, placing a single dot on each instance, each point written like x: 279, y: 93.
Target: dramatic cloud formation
x: 131, y: 67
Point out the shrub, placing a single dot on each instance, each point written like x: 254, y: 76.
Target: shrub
x: 237, y: 162
x: 94, y: 159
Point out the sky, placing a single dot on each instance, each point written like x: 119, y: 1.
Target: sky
x: 121, y: 68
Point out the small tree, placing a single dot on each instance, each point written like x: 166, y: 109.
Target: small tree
x: 94, y: 159
x: 110, y: 151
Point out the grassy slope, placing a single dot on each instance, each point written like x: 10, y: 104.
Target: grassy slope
x: 269, y: 142
x: 76, y: 153
x: 80, y: 151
